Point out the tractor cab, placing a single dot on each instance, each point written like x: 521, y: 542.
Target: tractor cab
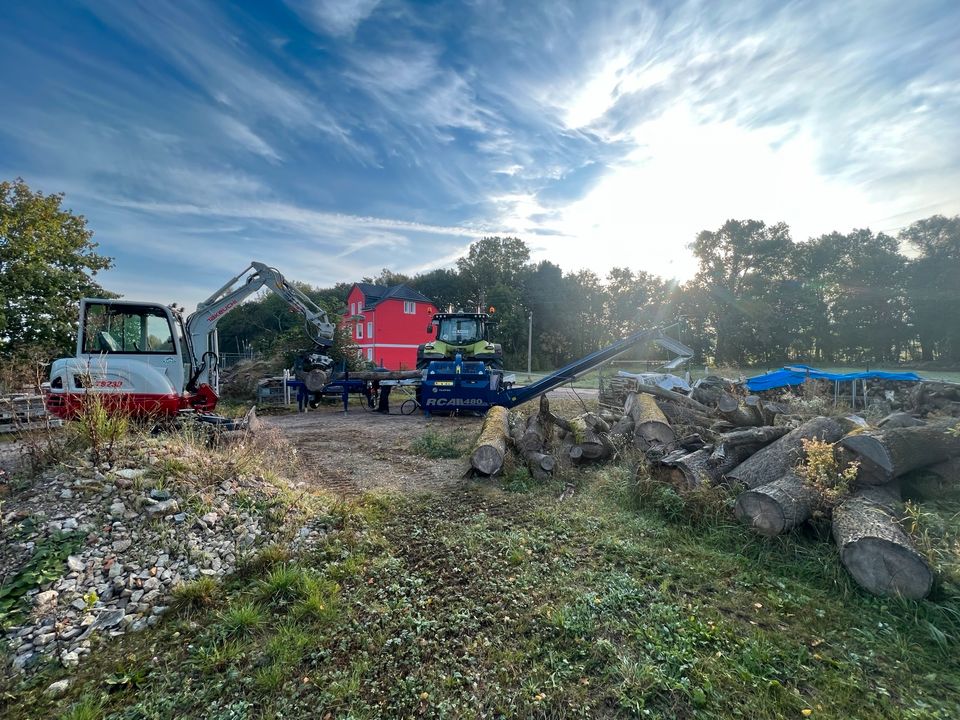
x: 461, y: 333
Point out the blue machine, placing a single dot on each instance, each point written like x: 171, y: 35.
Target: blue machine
x: 457, y: 386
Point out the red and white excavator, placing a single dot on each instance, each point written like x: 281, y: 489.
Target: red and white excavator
x: 144, y: 359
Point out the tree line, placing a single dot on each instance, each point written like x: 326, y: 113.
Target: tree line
x: 758, y: 297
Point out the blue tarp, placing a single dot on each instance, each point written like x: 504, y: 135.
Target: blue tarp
x: 796, y: 374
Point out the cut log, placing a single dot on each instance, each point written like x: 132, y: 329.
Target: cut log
x: 541, y: 460
x: 696, y: 469
x: 781, y: 456
x: 888, y: 454
x: 741, y: 416
x: 650, y: 424
x: 747, y: 442
x: 679, y: 415
x: 491, y: 446
x: 622, y: 431
x: 372, y: 375
x: 778, y: 506
x: 899, y: 420
x: 875, y: 549
x: 674, y: 397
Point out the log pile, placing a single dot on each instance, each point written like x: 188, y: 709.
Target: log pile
x: 756, y: 448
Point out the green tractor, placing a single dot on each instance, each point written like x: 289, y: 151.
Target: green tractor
x: 463, y: 333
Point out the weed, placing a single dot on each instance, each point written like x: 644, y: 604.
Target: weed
x: 270, y: 678
x: 214, y: 657
x: 196, y: 594
x: 320, y: 602
x: 286, y: 584
x: 87, y: 708
x: 517, y: 480
x: 267, y: 558
x: 45, y: 564
x: 437, y: 445
x: 821, y: 469
x: 241, y: 619
x: 99, y: 427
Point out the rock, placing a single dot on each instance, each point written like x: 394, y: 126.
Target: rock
x: 159, y: 494
x: 57, y: 688
x: 66, y: 494
x: 25, y: 648
x: 45, y: 638
x: 151, y: 584
x: 210, y: 518
x: 70, y: 524
x: 108, y: 619
x: 162, y: 560
x: 22, y: 662
x: 131, y: 473
x: 44, y: 599
x: 135, y: 596
x: 179, y: 517
x: 79, y: 604
x: 70, y: 659
x: 115, y: 570
x: 121, y: 545
x: 162, y: 508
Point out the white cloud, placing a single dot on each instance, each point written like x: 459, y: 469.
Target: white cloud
x: 337, y: 17
x: 248, y: 139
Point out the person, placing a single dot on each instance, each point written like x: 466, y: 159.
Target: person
x: 384, y: 406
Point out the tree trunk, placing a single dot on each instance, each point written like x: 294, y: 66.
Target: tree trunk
x: 680, y: 415
x: 673, y: 397
x: 888, y: 454
x: 731, y: 411
x: 753, y: 438
x: 650, y: 426
x: 873, y: 547
x: 899, y: 420
x: 776, y: 459
x: 491, y: 446
x: 778, y: 506
x: 697, y: 469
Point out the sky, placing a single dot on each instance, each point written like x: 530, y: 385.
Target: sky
x: 333, y: 138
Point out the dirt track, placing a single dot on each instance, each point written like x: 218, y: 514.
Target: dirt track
x: 362, y: 451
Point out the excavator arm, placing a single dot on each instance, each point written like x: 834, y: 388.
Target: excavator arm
x: 201, y: 327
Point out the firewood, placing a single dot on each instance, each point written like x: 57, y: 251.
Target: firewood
x: 650, y: 424
x: 680, y: 415
x: 776, y: 459
x: 875, y: 549
x: 899, y: 420
x: 672, y: 396
x: 741, y: 416
x: 696, y: 469
x: 776, y: 507
x: 755, y: 438
x: 490, y: 449
x: 888, y: 454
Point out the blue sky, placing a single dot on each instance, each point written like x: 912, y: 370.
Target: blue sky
x: 332, y: 139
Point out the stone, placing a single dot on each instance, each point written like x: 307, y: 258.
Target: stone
x: 58, y: 688
x: 79, y: 604
x: 135, y: 596
x: 121, y: 545
x: 156, y: 494
x: 70, y: 524
x: 179, y: 517
x: 108, y: 619
x: 115, y: 570
x: 131, y: 473
x: 22, y: 662
x: 151, y: 583
x: 66, y: 494
x: 70, y: 659
x: 162, y: 560
x: 44, y: 599
x: 45, y: 638
x: 25, y: 648
x: 210, y: 518
x: 160, y: 509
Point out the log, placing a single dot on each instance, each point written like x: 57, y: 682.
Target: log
x: 372, y: 375
x: 491, y: 447
x: 740, y: 416
x: 674, y: 397
x: 888, y: 454
x: 899, y: 420
x: 776, y: 459
x: 622, y: 431
x: 778, y: 506
x: 697, y: 469
x: 875, y: 549
x: 541, y: 460
x: 650, y: 426
x: 679, y: 415
x: 533, y: 436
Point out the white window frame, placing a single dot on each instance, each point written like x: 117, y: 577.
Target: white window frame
x: 409, y: 307
x: 369, y: 328
x: 370, y: 354
x: 353, y: 308
x: 359, y: 331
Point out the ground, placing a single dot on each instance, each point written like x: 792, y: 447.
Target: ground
x: 435, y: 595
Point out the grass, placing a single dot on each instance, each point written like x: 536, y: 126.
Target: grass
x: 512, y: 604
x: 440, y: 444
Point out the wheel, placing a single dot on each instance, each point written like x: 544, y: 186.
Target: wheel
x: 409, y: 407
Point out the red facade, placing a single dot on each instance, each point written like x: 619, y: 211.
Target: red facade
x: 388, y: 324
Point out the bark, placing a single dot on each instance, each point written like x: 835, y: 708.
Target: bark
x: 888, y: 454
x: 680, y: 415
x: 874, y: 548
x: 491, y: 446
x: 899, y: 420
x: 781, y: 456
x: 371, y: 375
x: 696, y: 469
x: 778, y: 506
x: 659, y: 392
x: 650, y: 424
x: 740, y: 416
x: 753, y: 438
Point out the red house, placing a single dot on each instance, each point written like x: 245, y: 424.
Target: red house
x: 388, y: 323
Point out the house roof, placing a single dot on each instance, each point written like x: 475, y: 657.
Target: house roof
x: 373, y: 295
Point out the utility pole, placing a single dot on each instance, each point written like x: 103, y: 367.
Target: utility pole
x: 529, y: 344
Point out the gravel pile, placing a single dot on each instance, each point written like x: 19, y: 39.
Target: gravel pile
x: 135, y: 541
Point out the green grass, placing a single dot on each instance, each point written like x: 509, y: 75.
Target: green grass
x: 511, y: 604
x: 439, y: 444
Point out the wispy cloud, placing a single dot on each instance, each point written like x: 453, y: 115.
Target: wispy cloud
x: 336, y: 17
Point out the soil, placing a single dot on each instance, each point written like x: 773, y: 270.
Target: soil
x: 361, y: 451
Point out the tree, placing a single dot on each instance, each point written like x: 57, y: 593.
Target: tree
x: 47, y: 263
x: 933, y: 278
x: 492, y: 261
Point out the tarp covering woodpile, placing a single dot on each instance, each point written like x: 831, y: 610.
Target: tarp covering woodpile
x: 798, y: 374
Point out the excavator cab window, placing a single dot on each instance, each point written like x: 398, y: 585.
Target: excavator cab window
x: 130, y: 329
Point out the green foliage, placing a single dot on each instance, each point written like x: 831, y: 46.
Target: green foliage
x: 438, y: 444
x: 87, y: 708
x: 196, y: 594
x: 241, y: 618
x: 99, y: 428
x: 47, y: 263
x: 821, y: 469
x: 45, y: 565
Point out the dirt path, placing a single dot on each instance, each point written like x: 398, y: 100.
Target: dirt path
x: 362, y: 451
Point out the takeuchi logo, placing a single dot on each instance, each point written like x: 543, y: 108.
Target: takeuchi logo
x: 223, y: 311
